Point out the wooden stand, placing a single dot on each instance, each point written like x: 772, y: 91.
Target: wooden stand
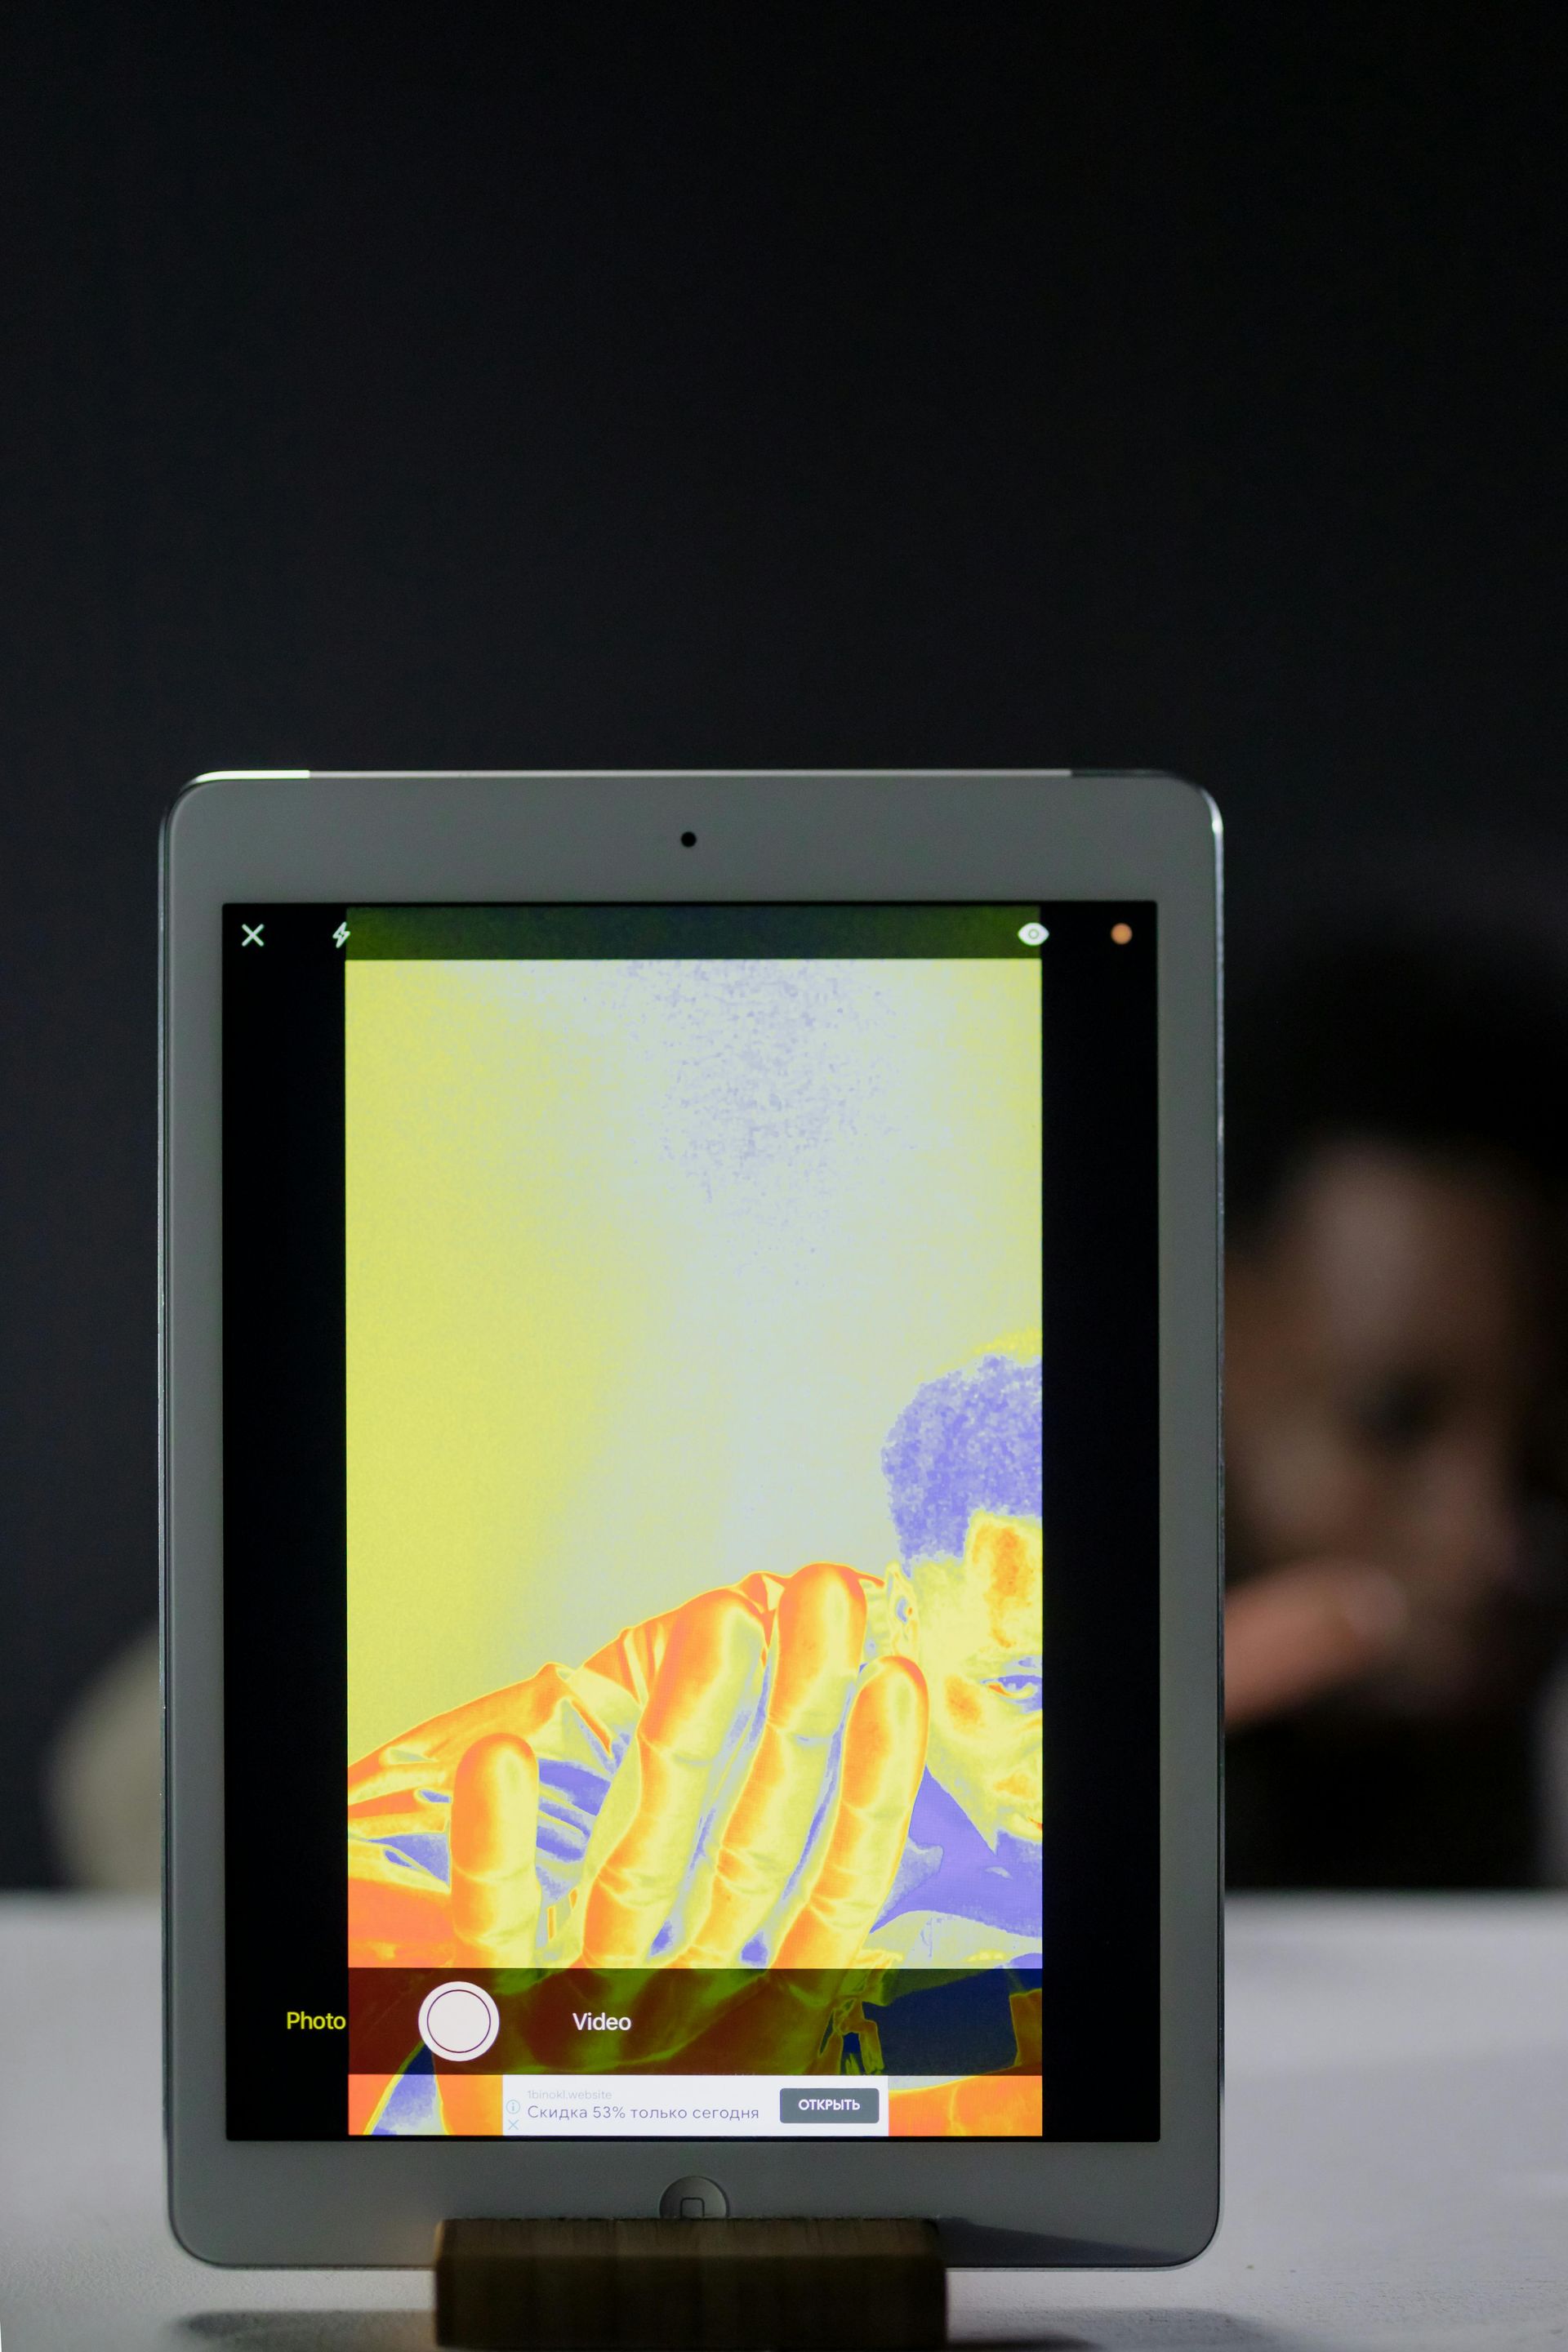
x: 690, y: 2286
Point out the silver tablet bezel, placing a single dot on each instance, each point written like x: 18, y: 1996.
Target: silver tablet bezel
x: 895, y: 835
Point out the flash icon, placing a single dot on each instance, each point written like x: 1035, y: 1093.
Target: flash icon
x: 1034, y: 935
x: 340, y: 935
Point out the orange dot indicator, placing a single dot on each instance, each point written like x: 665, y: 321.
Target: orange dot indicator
x: 1121, y: 933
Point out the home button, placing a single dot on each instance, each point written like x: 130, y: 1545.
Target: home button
x: 693, y: 2199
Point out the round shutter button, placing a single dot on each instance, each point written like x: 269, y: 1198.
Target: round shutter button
x: 459, y: 2020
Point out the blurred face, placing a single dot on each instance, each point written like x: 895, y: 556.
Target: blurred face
x: 976, y: 1631
x: 1388, y: 1376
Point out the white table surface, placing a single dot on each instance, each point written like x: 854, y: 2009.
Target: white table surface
x: 1396, y: 2163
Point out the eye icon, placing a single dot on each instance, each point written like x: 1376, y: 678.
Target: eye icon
x: 1034, y: 935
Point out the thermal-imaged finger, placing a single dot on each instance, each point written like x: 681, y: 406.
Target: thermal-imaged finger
x: 470, y: 2106
x: 494, y: 1825
x: 884, y: 1756
x: 818, y: 1635
x: 709, y: 1672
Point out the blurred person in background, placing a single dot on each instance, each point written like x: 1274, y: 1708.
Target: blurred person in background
x: 1396, y: 1416
x: 1397, y: 1438
x: 103, y: 1777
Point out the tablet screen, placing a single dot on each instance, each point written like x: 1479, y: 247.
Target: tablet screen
x: 690, y: 1521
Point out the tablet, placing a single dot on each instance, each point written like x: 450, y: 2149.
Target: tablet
x: 692, y: 1506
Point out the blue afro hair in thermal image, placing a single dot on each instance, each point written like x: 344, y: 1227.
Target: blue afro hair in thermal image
x: 968, y: 1442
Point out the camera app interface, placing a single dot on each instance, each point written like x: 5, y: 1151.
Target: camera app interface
x: 692, y: 1623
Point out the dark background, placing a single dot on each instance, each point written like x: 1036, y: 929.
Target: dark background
x: 1179, y: 385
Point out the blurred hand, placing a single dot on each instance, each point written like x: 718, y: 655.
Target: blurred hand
x: 1293, y: 1635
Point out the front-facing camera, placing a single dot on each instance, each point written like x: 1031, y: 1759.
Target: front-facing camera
x: 689, y: 841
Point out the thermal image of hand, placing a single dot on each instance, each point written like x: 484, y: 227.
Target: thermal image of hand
x: 713, y: 1662
x: 495, y: 1823
x: 835, y: 1743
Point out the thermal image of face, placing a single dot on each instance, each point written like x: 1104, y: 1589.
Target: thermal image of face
x: 964, y: 1471
x: 977, y: 1631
